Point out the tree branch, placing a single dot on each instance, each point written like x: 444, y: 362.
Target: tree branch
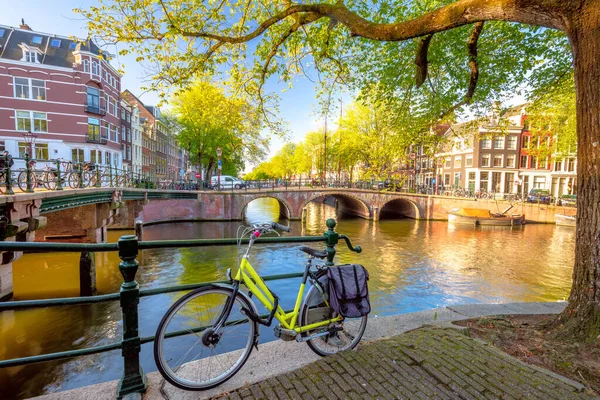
x: 421, y: 60
x: 474, y: 66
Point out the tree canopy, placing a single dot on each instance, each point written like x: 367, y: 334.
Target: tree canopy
x: 209, y: 119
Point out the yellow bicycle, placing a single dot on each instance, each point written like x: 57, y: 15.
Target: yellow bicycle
x: 208, y: 334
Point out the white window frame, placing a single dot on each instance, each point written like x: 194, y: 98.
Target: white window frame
x: 33, y: 116
x: 86, y: 65
x: 30, y: 56
x: 498, y: 157
x: 500, y: 140
x: 30, y: 88
x: 508, y: 159
x: 512, y: 138
x: 485, y: 157
x: 468, y: 161
x: 487, y: 141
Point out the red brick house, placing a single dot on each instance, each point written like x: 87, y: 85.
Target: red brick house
x: 60, y: 91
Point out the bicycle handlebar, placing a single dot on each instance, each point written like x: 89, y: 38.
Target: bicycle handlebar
x: 356, y: 249
x: 280, y: 227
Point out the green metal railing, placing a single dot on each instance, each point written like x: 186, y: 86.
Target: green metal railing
x: 133, y: 379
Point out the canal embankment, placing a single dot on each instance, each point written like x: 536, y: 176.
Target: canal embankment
x: 393, y: 360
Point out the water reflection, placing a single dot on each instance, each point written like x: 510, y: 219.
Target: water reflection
x: 414, y: 265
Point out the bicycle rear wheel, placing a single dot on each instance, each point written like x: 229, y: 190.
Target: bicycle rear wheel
x: 340, y: 336
x: 187, y: 352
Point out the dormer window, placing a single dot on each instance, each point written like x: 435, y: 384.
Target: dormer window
x: 72, y: 45
x: 2, y: 32
x: 30, y: 53
x: 36, y: 40
x: 30, y: 56
x: 55, y: 42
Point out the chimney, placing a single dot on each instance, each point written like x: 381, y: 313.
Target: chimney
x: 24, y: 25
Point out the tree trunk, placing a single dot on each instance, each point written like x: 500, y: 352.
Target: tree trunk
x: 582, y: 316
x: 209, y: 167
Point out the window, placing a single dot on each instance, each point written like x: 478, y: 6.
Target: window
x: 86, y: 66
x: 498, y: 158
x: 558, y: 165
x: 23, y: 148
x: 525, y: 144
x: 2, y: 32
x: 524, y: 162
x: 93, y: 158
x: 2, y: 145
x: 30, y: 88
x: 38, y: 89
x: 511, y: 143
x: 94, y: 130
x: 486, y: 144
x: 111, y: 109
x: 107, y: 162
x: 471, y: 182
x: 533, y: 162
x: 446, y: 179
x: 93, y: 98
x: 469, y: 161
x: 485, y: 160
x: 72, y: 45
x: 499, y: 142
x: 95, y: 70
x: 571, y: 165
x: 28, y: 121
x: 457, y: 162
x: 40, y: 122
x: 36, y: 40
x: 510, y: 161
x: 30, y: 56
x: 21, y: 88
x: 77, y: 155
x: 55, y: 42
x: 41, y: 151
x: 128, y: 115
x: 122, y: 113
x: 116, y: 159
x: 483, y: 180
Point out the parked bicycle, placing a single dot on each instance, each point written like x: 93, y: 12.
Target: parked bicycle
x: 47, y: 177
x: 207, y: 335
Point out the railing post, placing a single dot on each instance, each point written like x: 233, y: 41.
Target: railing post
x: 98, y: 175
x: 331, y: 239
x: 110, y: 177
x: 9, y: 182
x: 29, y: 188
x: 58, y: 177
x: 134, y: 379
x: 80, y: 175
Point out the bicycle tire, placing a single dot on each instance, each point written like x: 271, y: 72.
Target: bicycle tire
x: 49, y: 180
x: 22, y: 180
x: 73, y: 180
x: 315, y: 300
x: 162, y: 361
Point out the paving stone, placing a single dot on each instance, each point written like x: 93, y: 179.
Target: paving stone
x: 428, y: 363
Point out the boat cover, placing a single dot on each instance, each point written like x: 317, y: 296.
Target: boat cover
x: 472, y: 212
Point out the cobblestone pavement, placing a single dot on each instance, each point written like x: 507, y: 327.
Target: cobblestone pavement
x: 427, y: 363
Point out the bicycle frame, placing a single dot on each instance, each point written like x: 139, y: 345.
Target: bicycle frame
x: 249, y: 277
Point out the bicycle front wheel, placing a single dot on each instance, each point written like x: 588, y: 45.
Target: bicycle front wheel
x: 337, y: 336
x: 189, y: 353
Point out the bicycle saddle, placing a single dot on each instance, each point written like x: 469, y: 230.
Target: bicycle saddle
x: 313, y: 252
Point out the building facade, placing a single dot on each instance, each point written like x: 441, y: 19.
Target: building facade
x: 126, y: 133
x: 60, y: 93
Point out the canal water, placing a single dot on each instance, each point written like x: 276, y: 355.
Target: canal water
x: 414, y: 265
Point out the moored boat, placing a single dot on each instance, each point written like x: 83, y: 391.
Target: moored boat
x: 564, y: 220
x: 483, y: 217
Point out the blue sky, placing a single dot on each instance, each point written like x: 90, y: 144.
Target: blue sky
x: 57, y: 17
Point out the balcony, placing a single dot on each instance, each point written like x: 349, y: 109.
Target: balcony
x: 96, y: 138
x: 94, y: 109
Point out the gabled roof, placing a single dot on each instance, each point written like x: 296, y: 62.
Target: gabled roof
x: 58, y: 56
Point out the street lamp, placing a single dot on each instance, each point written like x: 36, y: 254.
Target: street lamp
x: 219, y: 154
x: 30, y: 139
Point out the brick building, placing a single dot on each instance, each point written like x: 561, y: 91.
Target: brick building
x: 148, y: 124
x: 60, y: 92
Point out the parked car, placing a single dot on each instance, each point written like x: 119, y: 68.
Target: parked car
x: 227, y: 182
x: 567, y: 200
x: 539, y: 196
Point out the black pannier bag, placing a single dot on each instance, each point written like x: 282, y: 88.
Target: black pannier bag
x: 348, y: 290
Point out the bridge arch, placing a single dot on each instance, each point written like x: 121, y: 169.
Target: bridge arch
x: 347, y: 204
x: 399, y: 208
x: 285, y: 209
